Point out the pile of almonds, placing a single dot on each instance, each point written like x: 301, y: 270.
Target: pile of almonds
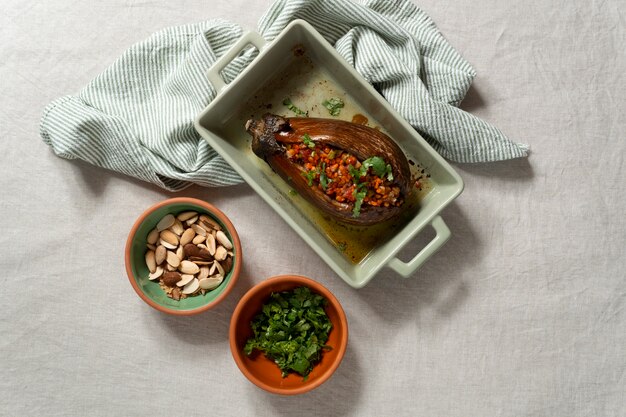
x: 189, y: 254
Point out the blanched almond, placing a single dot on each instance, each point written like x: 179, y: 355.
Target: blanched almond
x: 211, y: 282
x: 210, y: 222
x: 199, y: 230
x: 223, y: 239
x: 167, y: 244
x: 186, y: 215
x: 153, y: 236
x: 191, y: 287
x: 187, y: 236
x: 200, y: 262
x: 198, y: 239
x: 210, y: 244
x: 220, y: 268
x: 150, y: 261
x: 204, y: 272
x: 165, y: 222
x: 177, y: 228
x: 170, y: 237
x: 191, y: 221
x: 188, y: 267
x: 160, y: 254
x: 220, y: 253
x: 184, y: 280
x: 180, y: 252
x: 172, y: 259
x: 156, y: 274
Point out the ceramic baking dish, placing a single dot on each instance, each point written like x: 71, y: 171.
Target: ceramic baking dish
x: 301, y: 64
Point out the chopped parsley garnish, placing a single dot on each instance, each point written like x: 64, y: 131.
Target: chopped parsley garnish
x: 308, y: 141
x: 334, y: 106
x: 292, y: 330
x: 324, y: 180
x: 343, y: 178
x: 360, y: 196
x: 310, y: 176
x: 356, y: 174
x: 379, y: 167
x: 287, y: 102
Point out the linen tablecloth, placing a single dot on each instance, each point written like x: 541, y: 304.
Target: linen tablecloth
x: 522, y: 312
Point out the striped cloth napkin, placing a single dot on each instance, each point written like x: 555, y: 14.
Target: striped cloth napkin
x: 136, y: 117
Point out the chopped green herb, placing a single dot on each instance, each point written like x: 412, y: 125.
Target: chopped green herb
x: 342, y: 246
x: 293, y: 192
x: 310, y: 176
x: 324, y: 180
x: 308, y: 141
x: 332, y: 154
x: 292, y: 330
x: 334, y: 106
x: 379, y: 167
x: 356, y: 174
x: 287, y: 102
x: 360, y: 196
x: 389, y: 172
x: 361, y: 186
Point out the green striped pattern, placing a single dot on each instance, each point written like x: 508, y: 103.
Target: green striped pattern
x: 136, y: 117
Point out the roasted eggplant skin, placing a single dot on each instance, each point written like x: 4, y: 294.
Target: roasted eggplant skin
x: 271, y: 131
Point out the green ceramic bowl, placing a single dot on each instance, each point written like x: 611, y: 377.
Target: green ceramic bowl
x: 137, y: 270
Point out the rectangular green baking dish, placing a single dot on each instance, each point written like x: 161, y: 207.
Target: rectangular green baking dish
x: 221, y: 124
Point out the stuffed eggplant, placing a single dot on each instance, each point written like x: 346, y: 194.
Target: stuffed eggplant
x: 352, y: 172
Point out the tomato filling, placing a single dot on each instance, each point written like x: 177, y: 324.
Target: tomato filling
x: 344, y: 178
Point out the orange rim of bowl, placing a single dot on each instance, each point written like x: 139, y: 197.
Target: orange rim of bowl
x: 214, y: 211
x: 314, y: 285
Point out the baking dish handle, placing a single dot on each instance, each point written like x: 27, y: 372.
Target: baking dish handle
x: 249, y: 38
x: 406, y: 269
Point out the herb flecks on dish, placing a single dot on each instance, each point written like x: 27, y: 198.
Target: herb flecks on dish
x: 334, y: 105
x: 292, y: 330
x: 343, y: 178
x: 297, y: 111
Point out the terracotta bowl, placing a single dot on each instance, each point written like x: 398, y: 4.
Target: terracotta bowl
x: 265, y: 373
x: 138, y: 272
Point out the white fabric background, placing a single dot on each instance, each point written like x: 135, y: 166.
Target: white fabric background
x: 522, y: 313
